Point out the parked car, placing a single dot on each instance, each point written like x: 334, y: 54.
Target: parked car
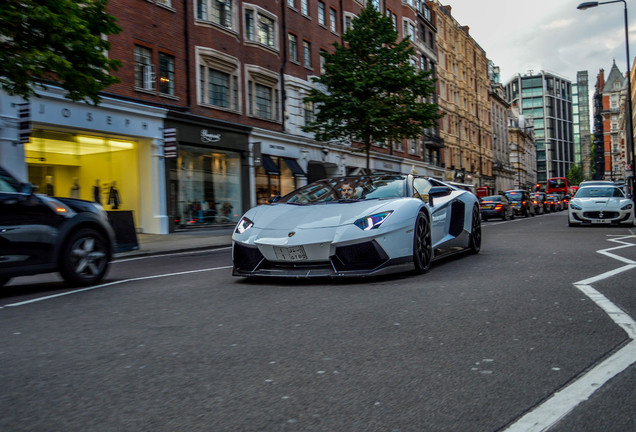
x: 555, y: 204
x: 386, y: 224
x: 541, y: 202
x: 42, y: 234
x: 602, y: 204
x: 496, y: 206
x: 521, y: 202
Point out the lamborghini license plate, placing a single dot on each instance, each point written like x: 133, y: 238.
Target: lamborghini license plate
x: 294, y: 253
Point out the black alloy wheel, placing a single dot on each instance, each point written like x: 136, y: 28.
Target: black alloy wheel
x: 84, y: 259
x: 422, y: 244
x: 475, y: 232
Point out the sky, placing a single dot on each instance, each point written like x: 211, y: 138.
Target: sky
x: 549, y: 35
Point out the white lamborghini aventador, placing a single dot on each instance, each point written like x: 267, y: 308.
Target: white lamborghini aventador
x: 357, y: 226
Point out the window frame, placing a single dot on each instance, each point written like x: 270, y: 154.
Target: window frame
x: 209, y: 59
x: 144, y: 70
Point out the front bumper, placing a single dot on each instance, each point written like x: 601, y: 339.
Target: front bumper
x: 601, y: 217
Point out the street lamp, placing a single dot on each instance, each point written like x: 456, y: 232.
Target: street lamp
x: 630, y: 128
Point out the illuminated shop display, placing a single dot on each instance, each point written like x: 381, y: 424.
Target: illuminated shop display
x: 93, y: 168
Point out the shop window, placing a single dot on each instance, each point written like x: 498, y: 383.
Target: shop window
x: 262, y: 95
x: 93, y: 168
x: 144, y: 69
x: 166, y: 74
x: 276, y: 176
x: 261, y: 26
x: 218, y: 12
x: 205, y: 187
x: 218, y: 79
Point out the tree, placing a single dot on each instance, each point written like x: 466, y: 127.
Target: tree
x: 57, y: 42
x: 373, y: 93
x: 575, y: 175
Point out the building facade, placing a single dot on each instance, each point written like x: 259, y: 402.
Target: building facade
x: 503, y: 169
x: 464, y: 99
x: 609, y: 131
x: 547, y: 99
x: 523, y: 151
x: 583, y: 155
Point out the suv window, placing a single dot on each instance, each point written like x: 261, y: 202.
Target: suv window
x: 8, y: 183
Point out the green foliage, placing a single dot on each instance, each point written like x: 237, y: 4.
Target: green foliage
x: 575, y: 175
x: 372, y: 92
x: 56, y: 42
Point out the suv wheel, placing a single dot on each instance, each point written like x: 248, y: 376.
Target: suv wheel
x: 84, y: 258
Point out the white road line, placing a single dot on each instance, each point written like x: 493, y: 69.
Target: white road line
x: 170, y: 254
x: 39, y: 299
x: 560, y: 404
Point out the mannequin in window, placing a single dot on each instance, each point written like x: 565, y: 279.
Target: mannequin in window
x: 97, y: 192
x: 75, y: 188
x: 113, y: 196
x: 48, y: 187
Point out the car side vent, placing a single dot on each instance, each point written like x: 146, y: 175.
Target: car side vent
x: 359, y: 256
x: 246, y: 257
x: 457, y: 218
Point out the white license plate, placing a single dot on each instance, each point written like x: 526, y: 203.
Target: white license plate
x: 294, y: 253
x: 599, y: 221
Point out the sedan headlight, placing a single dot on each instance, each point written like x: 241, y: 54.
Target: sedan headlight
x: 373, y: 221
x: 243, y: 225
x: 575, y: 206
x: 627, y: 207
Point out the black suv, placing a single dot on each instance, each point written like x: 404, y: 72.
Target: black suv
x: 42, y: 234
x: 521, y: 201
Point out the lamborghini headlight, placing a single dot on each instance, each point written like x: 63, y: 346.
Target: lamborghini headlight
x: 373, y: 221
x: 243, y: 225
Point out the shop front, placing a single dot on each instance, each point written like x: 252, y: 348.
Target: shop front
x: 208, y: 174
x: 106, y: 154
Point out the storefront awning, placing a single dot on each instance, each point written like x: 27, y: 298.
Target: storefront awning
x: 294, y: 167
x: 270, y: 166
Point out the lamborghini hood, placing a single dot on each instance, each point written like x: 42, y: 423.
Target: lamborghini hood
x: 289, y: 216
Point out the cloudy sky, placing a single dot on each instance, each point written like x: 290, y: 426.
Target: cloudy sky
x: 549, y: 35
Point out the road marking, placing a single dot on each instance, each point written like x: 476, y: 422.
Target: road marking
x: 169, y: 254
x: 39, y: 299
x: 561, y: 403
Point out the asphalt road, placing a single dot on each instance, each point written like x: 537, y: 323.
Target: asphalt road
x: 516, y: 338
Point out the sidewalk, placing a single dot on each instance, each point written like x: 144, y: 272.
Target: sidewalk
x: 154, y: 244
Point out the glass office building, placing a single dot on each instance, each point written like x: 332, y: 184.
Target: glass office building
x: 547, y: 99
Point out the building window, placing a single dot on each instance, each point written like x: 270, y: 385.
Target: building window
x: 218, y: 12
x: 348, y: 22
x: 218, y: 79
x: 304, y: 7
x: 307, y: 54
x: 332, y: 20
x: 291, y: 3
x: 321, y: 13
x: 322, y: 62
x: 376, y: 4
x: 293, y: 47
x: 260, y: 27
x: 165, y: 2
x: 166, y: 74
x: 262, y: 94
x: 144, y: 69
x: 308, y: 108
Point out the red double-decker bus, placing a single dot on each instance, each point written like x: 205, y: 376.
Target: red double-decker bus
x: 558, y: 185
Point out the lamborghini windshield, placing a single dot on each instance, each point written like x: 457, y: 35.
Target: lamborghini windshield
x: 348, y: 189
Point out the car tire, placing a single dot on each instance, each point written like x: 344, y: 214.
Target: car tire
x: 84, y: 258
x: 422, y: 244
x: 572, y: 224
x: 505, y: 216
x: 474, y: 244
x: 4, y: 281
